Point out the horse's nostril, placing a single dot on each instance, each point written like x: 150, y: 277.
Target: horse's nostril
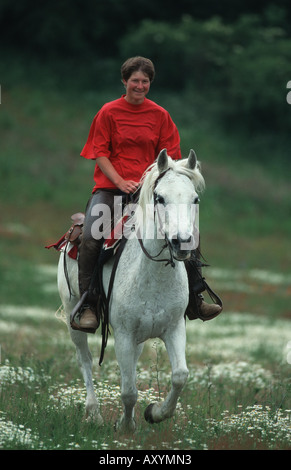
x: 175, y: 242
x: 179, y: 240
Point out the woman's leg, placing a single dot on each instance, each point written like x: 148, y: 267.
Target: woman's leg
x: 98, y: 220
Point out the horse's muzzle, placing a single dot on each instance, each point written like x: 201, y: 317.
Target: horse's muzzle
x: 182, y: 246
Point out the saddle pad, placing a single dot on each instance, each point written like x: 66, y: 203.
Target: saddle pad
x: 61, y: 244
x: 110, y: 246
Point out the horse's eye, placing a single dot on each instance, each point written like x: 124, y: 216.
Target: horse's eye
x: 196, y: 200
x: 159, y: 199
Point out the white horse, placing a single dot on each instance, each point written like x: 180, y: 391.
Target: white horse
x: 148, y: 298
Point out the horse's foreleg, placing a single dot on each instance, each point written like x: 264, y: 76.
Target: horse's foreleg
x: 127, y: 354
x: 85, y: 363
x: 175, y: 342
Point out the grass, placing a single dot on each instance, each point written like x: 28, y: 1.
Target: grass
x: 237, y: 395
x: 238, y: 392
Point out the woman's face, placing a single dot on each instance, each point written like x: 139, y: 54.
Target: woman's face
x: 137, y: 87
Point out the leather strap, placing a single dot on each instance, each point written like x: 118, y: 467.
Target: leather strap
x: 105, y: 300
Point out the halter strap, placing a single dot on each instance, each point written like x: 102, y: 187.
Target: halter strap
x: 161, y: 175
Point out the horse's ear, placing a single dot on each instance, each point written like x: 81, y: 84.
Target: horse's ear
x: 163, y: 161
x: 192, y: 160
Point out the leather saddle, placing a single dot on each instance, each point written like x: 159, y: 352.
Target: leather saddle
x: 74, y: 232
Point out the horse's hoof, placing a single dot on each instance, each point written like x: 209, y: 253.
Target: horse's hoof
x: 129, y: 427
x: 94, y: 417
x: 148, y: 416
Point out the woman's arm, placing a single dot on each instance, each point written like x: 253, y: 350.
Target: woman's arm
x: 108, y: 169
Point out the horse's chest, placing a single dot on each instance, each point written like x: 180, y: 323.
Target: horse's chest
x: 148, y: 299
x: 151, y: 293
x: 150, y: 309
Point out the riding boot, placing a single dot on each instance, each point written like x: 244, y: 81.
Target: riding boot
x: 197, y: 307
x: 88, y: 262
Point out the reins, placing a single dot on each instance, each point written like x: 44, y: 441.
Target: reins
x: 153, y: 258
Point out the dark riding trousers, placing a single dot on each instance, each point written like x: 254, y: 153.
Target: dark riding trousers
x: 102, y: 201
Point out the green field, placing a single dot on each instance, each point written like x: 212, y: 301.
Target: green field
x: 238, y: 392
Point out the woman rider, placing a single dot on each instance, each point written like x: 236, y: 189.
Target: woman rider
x: 125, y: 138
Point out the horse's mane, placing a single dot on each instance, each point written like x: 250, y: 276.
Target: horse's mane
x: 178, y: 166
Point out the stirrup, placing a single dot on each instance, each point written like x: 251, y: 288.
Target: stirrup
x: 76, y: 312
x: 194, y: 312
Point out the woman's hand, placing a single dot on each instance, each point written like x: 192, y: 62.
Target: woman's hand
x: 127, y: 186
x: 108, y: 169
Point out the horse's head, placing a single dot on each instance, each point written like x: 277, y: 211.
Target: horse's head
x: 176, y: 203
x: 174, y: 186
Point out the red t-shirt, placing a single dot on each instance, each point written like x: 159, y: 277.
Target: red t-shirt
x: 131, y: 136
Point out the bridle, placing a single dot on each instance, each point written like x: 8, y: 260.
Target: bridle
x: 167, y: 243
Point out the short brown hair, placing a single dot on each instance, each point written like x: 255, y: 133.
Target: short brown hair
x: 137, y: 63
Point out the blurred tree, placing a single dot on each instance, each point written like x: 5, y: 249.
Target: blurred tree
x: 244, y: 66
x: 188, y: 53
x: 62, y: 27
x: 237, y: 53
x: 258, y: 70
x: 86, y: 27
